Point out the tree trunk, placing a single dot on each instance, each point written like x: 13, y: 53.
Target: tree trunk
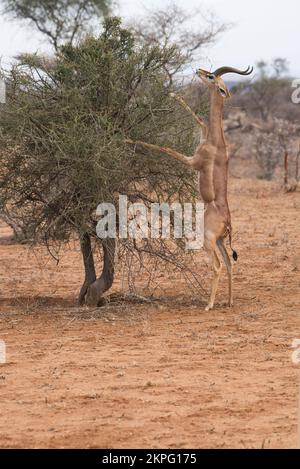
x: 297, y: 165
x: 286, y: 169
x: 89, y: 266
x: 105, y: 281
x: 18, y: 234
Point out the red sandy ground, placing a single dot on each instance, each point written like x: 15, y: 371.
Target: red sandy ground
x: 166, y: 374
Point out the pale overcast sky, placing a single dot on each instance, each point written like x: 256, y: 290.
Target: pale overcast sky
x: 264, y: 29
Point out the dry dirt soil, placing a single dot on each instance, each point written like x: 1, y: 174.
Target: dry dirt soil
x: 163, y: 374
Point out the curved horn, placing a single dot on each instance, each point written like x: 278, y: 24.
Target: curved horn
x: 222, y: 70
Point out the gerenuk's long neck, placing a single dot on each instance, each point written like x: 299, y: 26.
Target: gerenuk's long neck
x: 216, y: 132
x: 217, y: 138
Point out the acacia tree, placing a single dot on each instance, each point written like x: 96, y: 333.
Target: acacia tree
x: 269, y: 94
x: 62, y: 144
x: 60, y: 21
x: 267, y: 120
x: 171, y: 25
x: 274, y: 143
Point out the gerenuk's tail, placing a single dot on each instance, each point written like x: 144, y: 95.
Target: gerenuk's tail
x: 234, y: 253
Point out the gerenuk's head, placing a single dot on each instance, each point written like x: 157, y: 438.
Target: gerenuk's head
x: 214, y: 81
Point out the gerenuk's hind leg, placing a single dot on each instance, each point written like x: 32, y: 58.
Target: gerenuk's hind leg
x: 223, y: 251
x: 210, y: 247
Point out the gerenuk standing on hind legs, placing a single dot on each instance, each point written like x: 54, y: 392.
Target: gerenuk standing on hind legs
x: 211, y: 160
